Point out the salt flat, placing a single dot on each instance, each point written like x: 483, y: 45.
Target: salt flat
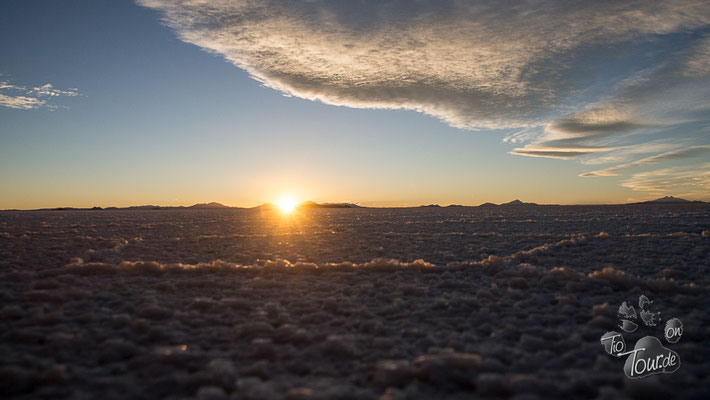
x: 347, y: 303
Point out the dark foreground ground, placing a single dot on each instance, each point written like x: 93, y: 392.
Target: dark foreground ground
x: 349, y: 304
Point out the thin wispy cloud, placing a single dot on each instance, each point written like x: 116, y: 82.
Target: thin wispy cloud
x: 30, y: 98
x: 576, y: 78
x: 627, y: 154
x: 690, y: 181
x: 681, y: 154
x: 698, y: 62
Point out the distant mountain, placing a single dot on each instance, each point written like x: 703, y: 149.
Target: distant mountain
x: 515, y: 202
x: 670, y: 200
x: 212, y: 205
x: 431, y: 206
x: 313, y: 204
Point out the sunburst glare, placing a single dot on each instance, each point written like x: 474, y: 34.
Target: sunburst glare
x: 286, y: 204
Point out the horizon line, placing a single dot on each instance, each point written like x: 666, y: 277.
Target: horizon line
x: 218, y: 205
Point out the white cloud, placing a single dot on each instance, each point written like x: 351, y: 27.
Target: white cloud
x: 21, y: 102
x: 48, y: 90
x: 472, y: 64
x: 22, y: 98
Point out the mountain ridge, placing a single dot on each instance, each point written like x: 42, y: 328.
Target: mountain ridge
x: 669, y: 200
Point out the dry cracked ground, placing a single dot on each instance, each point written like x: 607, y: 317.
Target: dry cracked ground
x: 347, y: 304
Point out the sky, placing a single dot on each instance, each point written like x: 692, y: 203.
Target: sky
x: 380, y: 103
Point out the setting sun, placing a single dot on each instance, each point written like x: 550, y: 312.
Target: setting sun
x: 286, y: 204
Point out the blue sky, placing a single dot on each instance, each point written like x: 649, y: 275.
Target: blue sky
x: 383, y: 103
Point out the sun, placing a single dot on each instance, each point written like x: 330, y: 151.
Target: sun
x: 286, y: 204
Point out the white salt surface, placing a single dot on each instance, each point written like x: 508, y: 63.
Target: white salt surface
x: 348, y: 304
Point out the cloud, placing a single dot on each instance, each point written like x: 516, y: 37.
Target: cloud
x: 23, y: 98
x: 680, y: 154
x: 689, y: 181
x: 594, y: 122
x: 558, y: 152
x: 698, y: 63
x: 602, y: 172
x: 48, y: 90
x: 21, y: 102
x: 478, y: 64
x: 628, y: 153
x: 581, y: 133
